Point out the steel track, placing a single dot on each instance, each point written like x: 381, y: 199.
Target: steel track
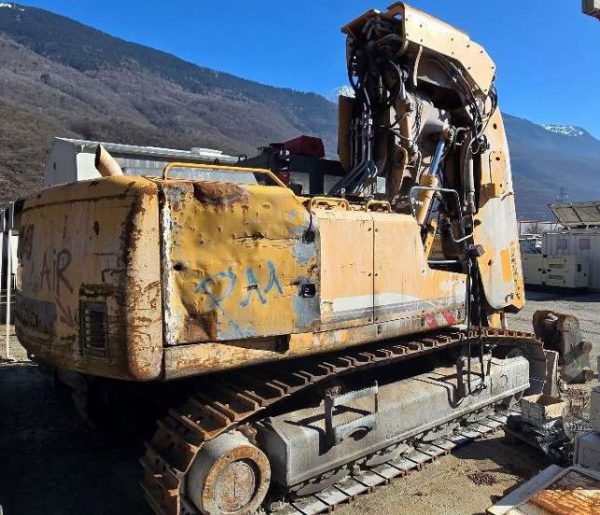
x: 237, y: 398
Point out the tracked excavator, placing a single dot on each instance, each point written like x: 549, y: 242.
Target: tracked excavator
x: 334, y: 341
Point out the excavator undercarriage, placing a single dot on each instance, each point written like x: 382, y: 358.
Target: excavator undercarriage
x: 285, y: 439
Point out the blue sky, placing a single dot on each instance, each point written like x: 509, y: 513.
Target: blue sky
x: 547, y: 51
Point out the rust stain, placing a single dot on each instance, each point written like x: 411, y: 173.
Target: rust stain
x: 573, y: 494
x: 219, y: 193
x: 111, y: 270
x: 201, y: 327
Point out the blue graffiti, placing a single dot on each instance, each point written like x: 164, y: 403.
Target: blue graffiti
x: 253, y: 287
x: 273, y: 281
x: 210, y: 285
x: 214, y: 280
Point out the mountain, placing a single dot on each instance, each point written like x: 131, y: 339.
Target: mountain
x: 546, y: 163
x: 59, y: 77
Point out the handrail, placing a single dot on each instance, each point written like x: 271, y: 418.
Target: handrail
x: 221, y: 168
x: 440, y: 190
x: 329, y: 202
x: 383, y: 204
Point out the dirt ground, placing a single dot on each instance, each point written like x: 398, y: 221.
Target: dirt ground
x: 50, y: 463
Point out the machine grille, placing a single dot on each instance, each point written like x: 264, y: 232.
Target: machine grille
x: 93, y: 333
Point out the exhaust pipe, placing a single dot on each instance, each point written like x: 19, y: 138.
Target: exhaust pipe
x: 105, y: 163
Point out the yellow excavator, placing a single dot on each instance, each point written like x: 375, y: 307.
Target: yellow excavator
x: 334, y: 341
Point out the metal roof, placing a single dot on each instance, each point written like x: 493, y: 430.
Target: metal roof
x: 577, y: 214
x: 196, y: 154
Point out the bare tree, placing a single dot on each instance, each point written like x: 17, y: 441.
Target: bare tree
x: 534, y: 228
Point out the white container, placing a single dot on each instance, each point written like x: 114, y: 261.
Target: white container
x: 533, y: 269
x: 587, y: 450
x: 583, y: 243
x: 567, y: 272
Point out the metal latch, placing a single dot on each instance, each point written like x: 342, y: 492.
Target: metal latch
x: 336, y: 434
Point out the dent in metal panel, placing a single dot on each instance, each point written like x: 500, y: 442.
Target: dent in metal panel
x: 72, y: 254
x: 238, y: 263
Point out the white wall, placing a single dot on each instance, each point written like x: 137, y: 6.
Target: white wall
x: 85, y: 167
x: 60, y: 167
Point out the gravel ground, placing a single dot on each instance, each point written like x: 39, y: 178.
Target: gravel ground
x: 51, y: 464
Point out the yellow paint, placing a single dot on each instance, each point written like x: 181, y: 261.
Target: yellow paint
x: 346, y: 262
x: 92, y: 242
x: 506, y: 267
x: 235, y: 261
x: 430, y: 237
x: 496, y: 230
x: 200, y: 276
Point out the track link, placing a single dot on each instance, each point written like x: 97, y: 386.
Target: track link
x: 206, y: 415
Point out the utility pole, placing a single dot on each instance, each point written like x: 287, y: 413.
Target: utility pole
x: 562, y: 195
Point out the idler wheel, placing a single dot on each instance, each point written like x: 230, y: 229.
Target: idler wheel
x: 230, y: 476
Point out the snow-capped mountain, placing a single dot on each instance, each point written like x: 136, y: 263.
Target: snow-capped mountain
x: 11, y: 5
x: 565, y: 130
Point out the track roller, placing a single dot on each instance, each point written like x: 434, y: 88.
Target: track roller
x: 229, y: 476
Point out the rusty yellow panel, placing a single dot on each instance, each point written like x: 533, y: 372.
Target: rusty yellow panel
x: 496, y: 223
x: 429, y: 32
x: 88, y: 290
x: 404, y: 283
x: 346, y: 245
x: 237, y: 262
x: 205, y: 358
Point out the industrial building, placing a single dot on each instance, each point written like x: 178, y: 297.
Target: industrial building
x: 72, y: 160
